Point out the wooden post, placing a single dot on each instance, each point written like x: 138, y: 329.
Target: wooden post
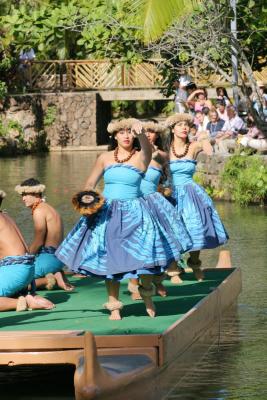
x: 224, y: 260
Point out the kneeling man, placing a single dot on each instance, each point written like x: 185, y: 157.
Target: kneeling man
x: 16, y: 269
x: 48, y: 234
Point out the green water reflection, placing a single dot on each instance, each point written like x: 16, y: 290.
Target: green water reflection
x: 233, y: 370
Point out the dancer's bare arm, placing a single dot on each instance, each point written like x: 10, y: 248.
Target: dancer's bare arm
x: 145, y: 153
x: 96, y: 172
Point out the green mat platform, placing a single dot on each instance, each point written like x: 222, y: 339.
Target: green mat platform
x: 82, y: 309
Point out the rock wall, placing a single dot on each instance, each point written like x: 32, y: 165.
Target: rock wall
x: 79, y: 120
x: 210, y: 168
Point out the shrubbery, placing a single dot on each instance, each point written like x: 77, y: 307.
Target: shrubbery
x: 245, y: 178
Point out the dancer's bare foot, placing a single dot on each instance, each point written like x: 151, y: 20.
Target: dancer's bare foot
x: 63, y: 282
x: 161, y: 290
x: 150, y: 308
x: 38, y: 303
x: 194, y: 262
x: 115, y: 315
x: 114, y: 306
x: 147, y: 293
x: 199, y: 274
x: 136, y: 296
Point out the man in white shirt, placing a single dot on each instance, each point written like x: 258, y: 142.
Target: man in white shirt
x: 181, y: 93
x: 227, y: 137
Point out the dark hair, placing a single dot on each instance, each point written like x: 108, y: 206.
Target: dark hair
x: 221, y: 102
x: 169, y: 139
x: 158, y: 141
x: 205, y: 110
x: 204, y: 90
x: 113, y: 143
x: 1, y: 201
x: 191, y: 86
x: 220, y: 88
x: 30, y: 182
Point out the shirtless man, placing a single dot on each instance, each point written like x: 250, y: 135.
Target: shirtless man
x: 48, y: 234
x: 16, y: 269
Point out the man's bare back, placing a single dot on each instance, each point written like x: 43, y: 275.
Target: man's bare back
x: 11, y: 240
x: 48, y: 227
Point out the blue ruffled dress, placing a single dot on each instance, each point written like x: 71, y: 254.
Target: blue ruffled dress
x: 195, y: 207
x: 163, y: 211
x: 123, y: 239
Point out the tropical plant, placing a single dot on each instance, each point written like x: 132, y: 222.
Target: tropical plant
x: 155, y: 16
x: 245, y: 179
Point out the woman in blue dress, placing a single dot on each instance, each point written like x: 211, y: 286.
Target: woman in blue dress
x: 160, y: 207
x: 122, y: 239
x: 191, y: 201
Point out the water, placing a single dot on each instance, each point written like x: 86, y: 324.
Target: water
x: 234, y: 368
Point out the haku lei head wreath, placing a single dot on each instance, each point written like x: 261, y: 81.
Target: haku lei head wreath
x: 174, y: 119
x: 30, y: 186
x: 88, y: 202
x: 116, y: 126
x: 153, y: 127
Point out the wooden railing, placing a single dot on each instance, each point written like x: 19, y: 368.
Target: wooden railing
x: 104, y: 74
x: 93, y: 74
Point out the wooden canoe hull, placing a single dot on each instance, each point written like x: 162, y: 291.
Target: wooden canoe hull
x: 99, y: 361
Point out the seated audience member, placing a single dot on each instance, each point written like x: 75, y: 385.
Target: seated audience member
x: 223, y: 95
x: 48, y: 234
x: 215, y: 124
x: 263, y: 99
x: 201, y: 121
x: 227, y: 137
x: 254, y: 138
x: 199, y: 99
x: 192, y: 134
x: 221, y: 110
x: 16, y: 269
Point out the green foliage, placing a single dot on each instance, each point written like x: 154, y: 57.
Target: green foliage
x: 50, y: 115
x: 74, y: 29
x: 245, y: 178
x: 3, y: 90
x: 141, y: 109
x: 8, y: 126
x: 157, y: 15
x: 213, y: 192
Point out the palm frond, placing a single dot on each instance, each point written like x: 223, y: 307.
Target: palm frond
x: 157, y: 15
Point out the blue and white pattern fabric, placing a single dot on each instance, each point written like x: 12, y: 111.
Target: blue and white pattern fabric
x: 123, y: 238
x: 16, y: 273
x: 46, y: 262
x: 195, y: 207
x: 163, y: 211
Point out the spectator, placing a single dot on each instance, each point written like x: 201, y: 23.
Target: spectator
x: 199, y: 99
x: 25, y: 59
x: 215, y: 124
x: 221, y: 110
x: 223, y: 95
x: 193, y: 133
x: 254, y: 138
x: 201, y: 121
x: 227, y: 137
x: 263, y: 93
x: 181, y: 93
